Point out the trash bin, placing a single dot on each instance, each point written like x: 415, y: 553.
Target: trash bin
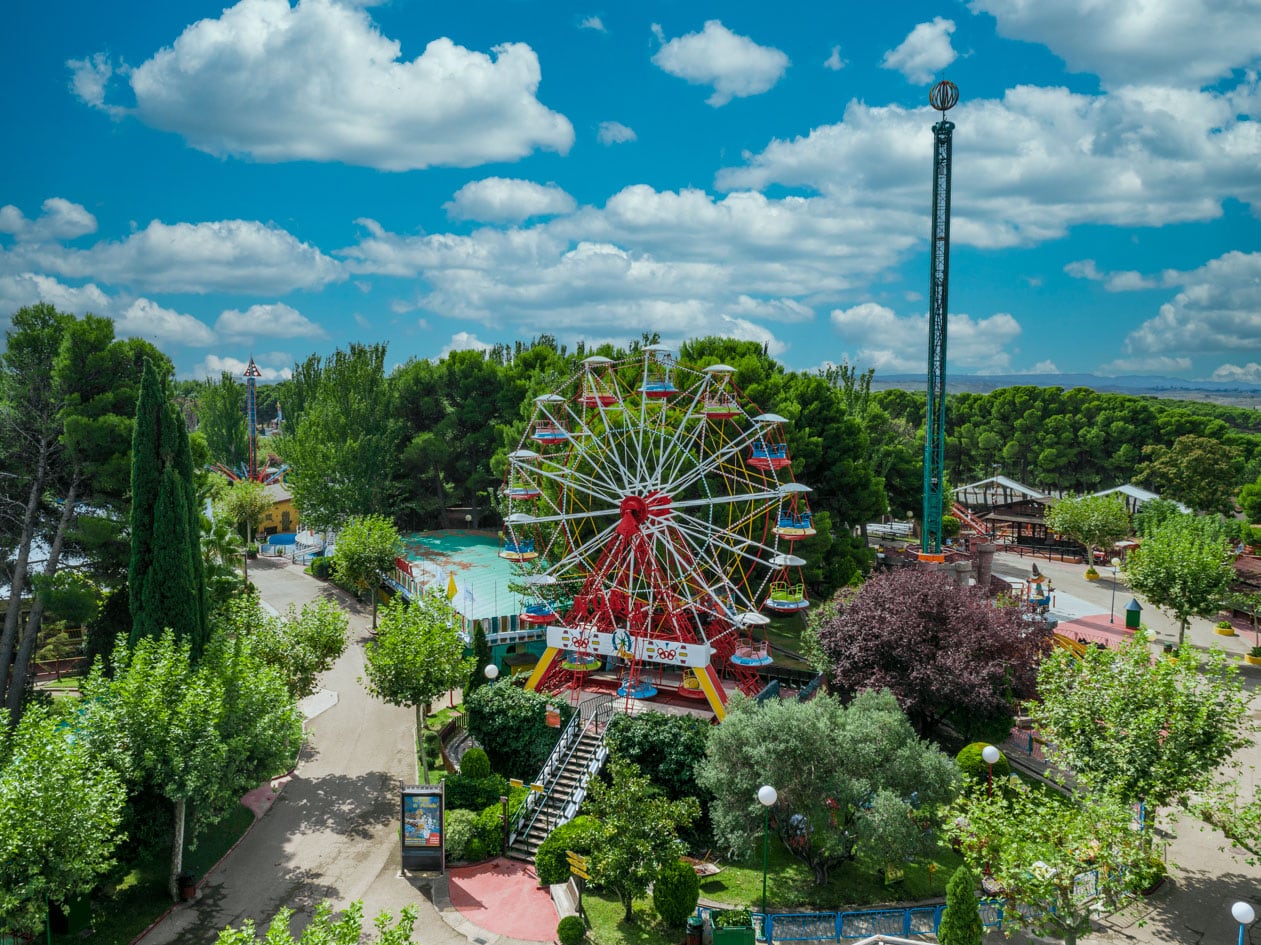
x: 695, y: 928
x: 187, y: 883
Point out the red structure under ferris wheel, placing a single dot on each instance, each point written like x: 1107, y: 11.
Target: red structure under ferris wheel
x: 648, y: 509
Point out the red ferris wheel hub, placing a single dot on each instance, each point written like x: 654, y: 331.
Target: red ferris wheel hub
x: 636, y: 510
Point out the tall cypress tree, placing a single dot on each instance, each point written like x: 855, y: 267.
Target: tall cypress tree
x: 165, y: 573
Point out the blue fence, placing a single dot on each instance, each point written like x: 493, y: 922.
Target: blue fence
x: 847, y: 926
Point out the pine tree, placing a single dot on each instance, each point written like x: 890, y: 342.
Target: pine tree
x: 961, y: 920
x: 166, y: 582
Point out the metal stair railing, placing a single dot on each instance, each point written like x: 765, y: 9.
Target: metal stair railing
x: 593, y: 715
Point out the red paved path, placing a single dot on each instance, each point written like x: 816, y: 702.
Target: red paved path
x: 503, y: 896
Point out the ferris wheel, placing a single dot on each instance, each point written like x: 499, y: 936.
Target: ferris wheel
x: 651, y: 509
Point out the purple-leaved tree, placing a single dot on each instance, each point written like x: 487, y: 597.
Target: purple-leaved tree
x: 945, y: 652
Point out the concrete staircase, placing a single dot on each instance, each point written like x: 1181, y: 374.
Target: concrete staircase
x: 577, y: 758
x: 552, y: 811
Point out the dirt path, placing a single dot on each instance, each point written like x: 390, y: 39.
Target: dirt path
x: 332, y: 833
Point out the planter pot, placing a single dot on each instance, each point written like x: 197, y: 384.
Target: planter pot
x: 1224, y: 631
x: 1092, y: 576
x: 1252, y: 660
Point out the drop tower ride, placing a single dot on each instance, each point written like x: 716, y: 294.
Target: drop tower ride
x: 943, y: 97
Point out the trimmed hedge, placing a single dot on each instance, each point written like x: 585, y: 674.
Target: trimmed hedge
x: 465, y: 793
x: 570, y: 930
x: 475, y: 763
x: 551, y: 865
x: 973, y: 767
x: 488, y: 835
x: 460, y: 827
x: 675, y: 892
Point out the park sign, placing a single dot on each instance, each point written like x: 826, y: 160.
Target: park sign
x: 424, y: 846
x: 577, y: 864
x: 586, y: 639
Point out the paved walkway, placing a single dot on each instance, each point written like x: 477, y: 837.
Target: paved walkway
x: 1193, y: 905
x: 332, y: 833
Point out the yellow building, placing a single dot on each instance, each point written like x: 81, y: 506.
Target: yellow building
x: 282, y: 517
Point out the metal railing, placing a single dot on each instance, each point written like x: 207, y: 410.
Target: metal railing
x: 593, y: 714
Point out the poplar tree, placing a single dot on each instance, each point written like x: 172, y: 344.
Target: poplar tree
x: 166, y: 574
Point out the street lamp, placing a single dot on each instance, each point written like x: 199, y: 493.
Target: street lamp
x: 990, y: 755
x: 766, y: 796
x: 1116, y: 563
x: 1244, y: 914
x: 491, y: 672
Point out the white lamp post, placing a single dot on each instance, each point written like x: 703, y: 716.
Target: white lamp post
x: 990, y: 755
x: 1116, y: 563
x: 491, y: 672
x: 766, y: 796
x: 1244, y: 914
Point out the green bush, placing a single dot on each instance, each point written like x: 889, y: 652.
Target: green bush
x: 433, y: 749
x: 475, y: 764
x: 465, y: 793
x: 666, y: 748
x: 511, y: 724
x: 571, y: 930
x: 488, y: 835
x: 460, y: 827
x: 321, y: 567
x: 961, y: 921
x: 973, y: 767
x: 731, y: 918
x: 551, y: 864
x: 675, y: 893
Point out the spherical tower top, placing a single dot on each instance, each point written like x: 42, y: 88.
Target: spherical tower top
x: 944, y: 96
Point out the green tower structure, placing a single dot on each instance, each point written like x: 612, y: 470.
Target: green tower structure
x: 943, y: 97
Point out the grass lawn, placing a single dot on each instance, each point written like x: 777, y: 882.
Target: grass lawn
x: 790, y: 882
x: 790, y: 885
x: 785, y: 632
x: 604, y: 916
x: 123, y: 910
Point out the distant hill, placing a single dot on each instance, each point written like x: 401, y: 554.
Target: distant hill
x: 1234, y: 393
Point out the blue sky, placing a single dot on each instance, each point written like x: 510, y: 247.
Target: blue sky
x: 277, y: 179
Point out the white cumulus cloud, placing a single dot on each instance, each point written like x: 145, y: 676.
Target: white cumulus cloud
x: 60, y: 220
x: 507, y: 200
x: 277, y: 320
x: 834, y: 60
x: 318, y: 81
x: 1249, y: 373
x: 223, y: 256
x: 1038, y: 161
x: 464, y: 341
x: 876, y: 336
x: 1217, y: 310
x: 28, y: 288
x: 146, y: 319
x: 1146, y: 42
x: 212, y: 365
x: 924, y: 52
x: 614, y: 132
x: 734, y: 65
x: 1126, y: 281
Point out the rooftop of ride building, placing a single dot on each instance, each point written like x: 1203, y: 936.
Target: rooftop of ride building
x: 472, y: 560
